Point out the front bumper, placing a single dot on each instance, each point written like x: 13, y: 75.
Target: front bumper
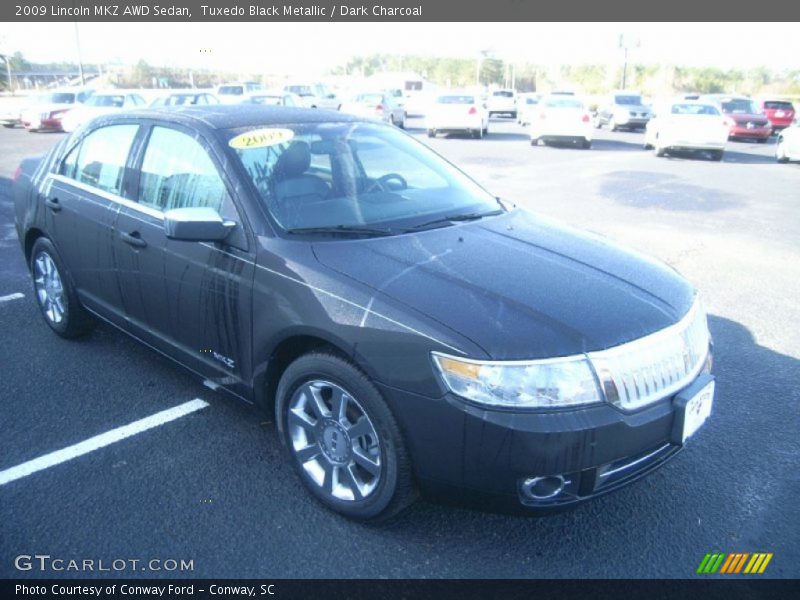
x: 457, y: 446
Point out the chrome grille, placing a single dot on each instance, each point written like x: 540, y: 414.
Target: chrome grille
x: 643, y: 371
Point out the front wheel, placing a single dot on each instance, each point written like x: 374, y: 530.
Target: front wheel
x: 55, y: 294
x: 343, y: 440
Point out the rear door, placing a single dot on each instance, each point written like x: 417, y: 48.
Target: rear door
x: 192, y: 300
x: 83, y: 199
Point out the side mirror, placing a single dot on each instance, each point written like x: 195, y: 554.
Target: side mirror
x: 196, y: 224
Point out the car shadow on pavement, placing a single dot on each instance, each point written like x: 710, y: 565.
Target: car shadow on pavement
x: 734, y: 485
x: 651, y: 189
x: 746, y: 158
x: 604, y: 145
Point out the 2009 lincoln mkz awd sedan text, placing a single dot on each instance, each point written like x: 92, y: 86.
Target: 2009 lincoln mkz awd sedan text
x: 409, y: 331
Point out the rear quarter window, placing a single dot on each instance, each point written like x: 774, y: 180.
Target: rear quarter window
x: 99, y: 160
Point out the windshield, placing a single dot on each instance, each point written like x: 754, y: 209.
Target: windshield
x: 694, y: 109
x: 455, y: 100
x: 739, y: 105
x: 563, y: 102
x: 300, y: 90
x: 105, y: 101
x: 628, y: 100
x: 56, y: 98
x: 270, y: 100
x: 329, y: 175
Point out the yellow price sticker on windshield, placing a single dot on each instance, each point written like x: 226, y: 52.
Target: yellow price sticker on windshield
x: 261, y: 138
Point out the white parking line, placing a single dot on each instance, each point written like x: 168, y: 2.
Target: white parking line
x: 15, y: 296
x: 100, y: 441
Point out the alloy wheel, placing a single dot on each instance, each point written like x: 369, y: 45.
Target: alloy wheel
x: 49, y: 288
x: 334, y: 440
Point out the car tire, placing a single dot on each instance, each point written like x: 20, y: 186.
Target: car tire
x: 780, y: 151
x: 717, y: 155
x: 55, y: 294
x: 647, y: 146
x: 321, y: 398
x: 431, y: 133
x: 485, y: 131
x: 534, y: 142
x: 587, y: 144
x: 477, y: 134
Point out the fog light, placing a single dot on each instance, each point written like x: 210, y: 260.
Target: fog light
x: 543, y: 488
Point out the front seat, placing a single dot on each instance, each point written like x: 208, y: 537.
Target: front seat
x: 291, y: 183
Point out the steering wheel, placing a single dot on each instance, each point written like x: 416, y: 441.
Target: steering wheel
x: 381, y: 184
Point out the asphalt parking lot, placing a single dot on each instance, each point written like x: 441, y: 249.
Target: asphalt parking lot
x: 213, y: 486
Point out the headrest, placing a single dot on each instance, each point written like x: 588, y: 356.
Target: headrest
x: 294, y: 161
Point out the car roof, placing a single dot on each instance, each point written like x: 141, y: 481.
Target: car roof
x: 238, y: 115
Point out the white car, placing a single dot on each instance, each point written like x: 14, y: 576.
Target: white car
x: 687, y: 125
x: 561, y: 118
x: 788, y: 145
x: 526, y: 107
x: 313, y: 95
x: 100, y: 103
x: 273, y: 98
x: 232, y: 93
x: 376, y: 105
x: 503, y: 102
x: 47, y: 110
x: 456, y: 112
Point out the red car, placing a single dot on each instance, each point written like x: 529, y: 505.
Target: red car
x: 779, y: 112
x: 743, y: 117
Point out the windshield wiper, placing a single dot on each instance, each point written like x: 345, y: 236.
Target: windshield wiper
x: 345, y: 229
x: 453, y: 218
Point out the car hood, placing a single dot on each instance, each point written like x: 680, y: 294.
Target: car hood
x: 519, y: 286
x: 37, y: 109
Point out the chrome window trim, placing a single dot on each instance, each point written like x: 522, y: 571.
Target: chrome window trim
x: 152, y: 212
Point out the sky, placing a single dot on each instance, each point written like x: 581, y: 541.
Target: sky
x: 314, y: 48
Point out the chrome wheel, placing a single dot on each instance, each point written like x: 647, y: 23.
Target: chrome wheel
x: 334, y: 440
x: 49, y: 288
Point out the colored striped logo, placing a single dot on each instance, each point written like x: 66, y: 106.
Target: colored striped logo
x: 735, y: 562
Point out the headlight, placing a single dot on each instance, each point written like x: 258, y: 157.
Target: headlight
x: 551, y: 383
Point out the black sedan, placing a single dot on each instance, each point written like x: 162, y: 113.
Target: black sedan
x: 409, y: 330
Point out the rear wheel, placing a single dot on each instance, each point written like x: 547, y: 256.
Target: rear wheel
x: 55, y: 294
x: 343, y: 440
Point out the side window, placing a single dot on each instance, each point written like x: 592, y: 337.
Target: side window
x: 177, y: 173
x: 99, y: 160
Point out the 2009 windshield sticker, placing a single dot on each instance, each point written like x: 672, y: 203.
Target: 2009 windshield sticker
x: 261, y: 138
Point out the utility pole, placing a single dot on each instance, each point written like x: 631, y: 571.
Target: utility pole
x: 7, y: 60
x: 78, y: 47
x: 626, y: 42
